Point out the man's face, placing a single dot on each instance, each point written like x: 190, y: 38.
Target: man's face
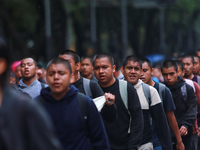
x: 28, y: 68
x: 157, y: 73
x: 86, y: 67
x: 196, y: 67
x: 103, y: 71
x: 180, y: 72
x: 146, y: 73
x: 41, y: 73
x: 70, y: 59
x: 188, y: 66
x: 132, y: 72
x: 170, y: 75
x: 58, y: 78
x: 18, y: 73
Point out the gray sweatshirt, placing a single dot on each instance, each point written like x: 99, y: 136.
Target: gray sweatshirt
x: 33, y: 89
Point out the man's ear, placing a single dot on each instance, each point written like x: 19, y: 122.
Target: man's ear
x: 3, y: 65
x: 114, y: 67
x: 122, y: 69
x: 152, y: 71
x: 183, y: 72
x: 78, y: 66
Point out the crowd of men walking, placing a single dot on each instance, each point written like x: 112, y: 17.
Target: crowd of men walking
x: 53, y: 108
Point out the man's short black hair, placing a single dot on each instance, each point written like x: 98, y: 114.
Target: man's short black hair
x: 117, y: 64
x: 131, y: 58
x: 168, y: 64
x: 75, y: 56
x: 197, y: 57
x: 188, y: 56
x: 39, y: 66
x: 104, y: 55
x: 145, y: 60
x: 180, y: 64
x: 60, y: 61
x: 35, y: 62
x: 87, y: 57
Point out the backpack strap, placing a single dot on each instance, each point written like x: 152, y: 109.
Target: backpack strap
x: 161, y: 91
x: 124, y: 95
x: 123, y: 92
x: 82, y: 102
x: 191, y: 83
x: 198, y: 80
x: 86, y: 86
x: 184, y: 92
x: 147, y: 93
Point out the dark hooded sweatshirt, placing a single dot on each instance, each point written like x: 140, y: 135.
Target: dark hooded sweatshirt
x: 185, y: 112
x: 69, y: 125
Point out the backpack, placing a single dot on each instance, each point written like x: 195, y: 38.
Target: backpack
x: 184, y: 92
x: 161, y: 91
x: 124, y: 94
x: 86, y: 86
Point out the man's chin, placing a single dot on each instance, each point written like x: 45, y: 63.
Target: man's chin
x: 170, y: 84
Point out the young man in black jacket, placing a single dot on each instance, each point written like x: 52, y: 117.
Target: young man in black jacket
x: 184, y: 100
x: 126, y: 132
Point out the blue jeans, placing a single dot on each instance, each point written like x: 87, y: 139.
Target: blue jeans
x: 158, y: 148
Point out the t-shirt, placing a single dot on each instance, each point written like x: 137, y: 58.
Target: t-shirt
x: 168, y: 105
x: 117, y: 132
x: 156, y: 111
x: 94, y: 87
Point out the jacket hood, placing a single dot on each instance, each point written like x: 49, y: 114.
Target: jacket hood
x: 178, y: 84
x: 138, y: 84
x: 46, y: 93
x: 23, y: 85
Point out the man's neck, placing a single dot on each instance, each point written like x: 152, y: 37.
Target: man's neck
x: 190, y: 76
x: 28, y: 81
x: 151, y: 83
x: 74, y: 77
x: 88, y: 76
x: 111, y: 82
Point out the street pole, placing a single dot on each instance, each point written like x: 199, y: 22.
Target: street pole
x: 93, y: 25
x: 48, y: 28
x: 124, y: 28
x: 163, y: 46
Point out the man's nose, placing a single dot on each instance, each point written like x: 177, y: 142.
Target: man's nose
x: 132, y: 70
x: 101, y: 70
x: 56, y: 76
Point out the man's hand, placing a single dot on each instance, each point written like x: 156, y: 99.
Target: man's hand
x: 110, y: 99
x: 183, y: 131
x: 198, y: 131
x: 180, y: 146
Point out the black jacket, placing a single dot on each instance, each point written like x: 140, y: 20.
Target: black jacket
x: 186, y: 108
x: 24, y: 125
